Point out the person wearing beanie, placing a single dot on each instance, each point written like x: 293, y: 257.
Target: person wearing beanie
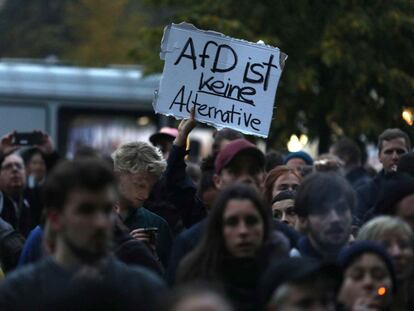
x: 398, y: 239
x: 288, y: 283
x: 369, y: 281
x: 298, y: 159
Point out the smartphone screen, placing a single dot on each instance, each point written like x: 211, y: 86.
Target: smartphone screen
x: 152, y: 233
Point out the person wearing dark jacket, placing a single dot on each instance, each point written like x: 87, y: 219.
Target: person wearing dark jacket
x: 324, y: 204
x: 375, y: 269
x: 189, y: 239
x: 138, y: 166
x: 14, y: 207
x: 232, y: 251
x: 125, y: 247
x: 81, y: 273
x: 392, y: 144
x: 396, y: 198
x: 299, y: 284
x: 349, y: 152
x: 11, y: 244
x: 174, y: 197
x: 133, y: 252
x: 21, y: 206
x: 229, y: 169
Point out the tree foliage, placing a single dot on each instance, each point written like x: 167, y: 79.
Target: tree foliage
x: 32, y: 29
x: 350, y: 68
x: 102, y: 32
x: 83, y: 32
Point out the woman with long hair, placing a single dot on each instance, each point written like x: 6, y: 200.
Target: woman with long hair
x: 231, y: 252
x: 279, y: 179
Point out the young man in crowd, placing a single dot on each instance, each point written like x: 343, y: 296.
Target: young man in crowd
x: 324, y: 205
x: 392, y: 144
x: 349, y: 152
x: 138, y: 166
x: 79, y: 199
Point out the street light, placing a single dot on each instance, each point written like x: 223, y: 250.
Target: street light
x: 408, y: 115
x: 297, y: 143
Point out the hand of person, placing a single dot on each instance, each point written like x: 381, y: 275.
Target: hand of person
x: 185, y: 128
x: 140, y: 235
x: 6, y: 143
x: 117, y: 207
x: 47, y: 145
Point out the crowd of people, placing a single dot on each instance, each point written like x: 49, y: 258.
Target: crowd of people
x: 144, y: 229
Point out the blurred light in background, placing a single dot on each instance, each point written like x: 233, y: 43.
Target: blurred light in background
x: 143, y: 121
x: 303, y: 139
x: 297, y: 143
x: 408, y: 115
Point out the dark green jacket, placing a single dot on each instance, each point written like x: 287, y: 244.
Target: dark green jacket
x: 143, y: 218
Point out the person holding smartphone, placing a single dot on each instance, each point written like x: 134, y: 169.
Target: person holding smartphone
x: 138, y: 166
x: 14, y: 207
x: 19, y: 205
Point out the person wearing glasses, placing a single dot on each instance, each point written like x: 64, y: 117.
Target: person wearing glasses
x: 14, y: 208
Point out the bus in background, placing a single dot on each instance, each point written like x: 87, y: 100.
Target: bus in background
x: 98, y: 107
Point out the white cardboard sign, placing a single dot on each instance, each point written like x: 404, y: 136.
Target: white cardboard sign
x: 231, y: 83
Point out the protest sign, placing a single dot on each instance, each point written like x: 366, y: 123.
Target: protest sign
x: 231, y: 83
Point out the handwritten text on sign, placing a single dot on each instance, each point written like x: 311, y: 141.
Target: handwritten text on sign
x: 231, y: 83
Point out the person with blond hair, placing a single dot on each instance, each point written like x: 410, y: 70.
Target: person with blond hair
x: 138, y: 166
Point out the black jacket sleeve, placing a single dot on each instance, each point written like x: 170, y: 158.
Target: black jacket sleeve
x: 11, y: 245
x: 179, y: 192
